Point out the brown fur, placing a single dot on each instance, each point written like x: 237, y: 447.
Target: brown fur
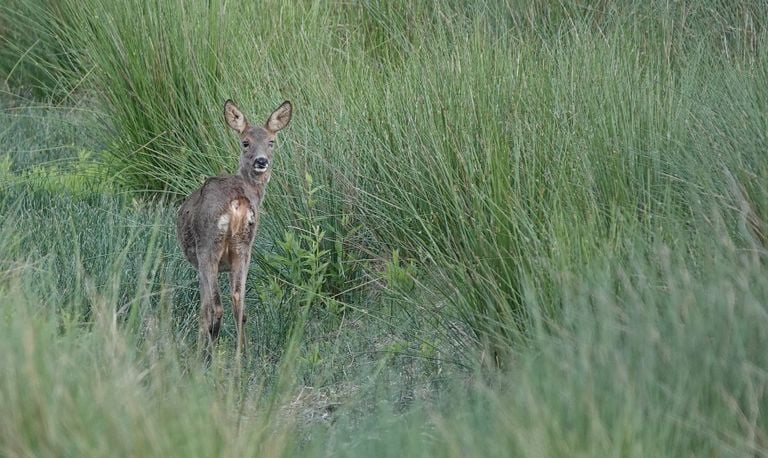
x: 217, y: 223
x: 239, y: 216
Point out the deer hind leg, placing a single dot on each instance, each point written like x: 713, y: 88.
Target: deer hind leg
x: 211, y: 310
x: 240, y: 259
x: 241, y: 230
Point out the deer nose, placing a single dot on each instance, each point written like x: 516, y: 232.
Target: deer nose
x: 261, y: 163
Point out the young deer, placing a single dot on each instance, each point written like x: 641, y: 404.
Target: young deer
x: 216, y: 224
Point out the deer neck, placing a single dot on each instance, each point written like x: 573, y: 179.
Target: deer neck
x: 255, y: 183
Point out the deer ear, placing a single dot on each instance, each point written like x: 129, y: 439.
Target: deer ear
x: 280, y: 118
x: 234, y: 117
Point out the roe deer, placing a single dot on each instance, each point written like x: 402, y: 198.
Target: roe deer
x: 217, y: 223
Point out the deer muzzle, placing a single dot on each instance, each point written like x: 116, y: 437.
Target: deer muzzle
x: 260, y: 164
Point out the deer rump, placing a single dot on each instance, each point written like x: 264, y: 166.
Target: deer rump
x: 233, y: 225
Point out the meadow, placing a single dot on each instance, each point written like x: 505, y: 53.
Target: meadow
x: 494, y: 228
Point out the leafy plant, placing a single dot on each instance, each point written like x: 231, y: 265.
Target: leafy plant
x: 302, y: 264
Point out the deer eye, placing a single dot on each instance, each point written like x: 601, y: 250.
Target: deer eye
x: 271, y: 143
x: 246, y: 144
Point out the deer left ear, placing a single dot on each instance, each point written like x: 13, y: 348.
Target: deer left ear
x: 280, y: 118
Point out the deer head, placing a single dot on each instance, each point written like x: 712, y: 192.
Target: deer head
x: 256, y: 142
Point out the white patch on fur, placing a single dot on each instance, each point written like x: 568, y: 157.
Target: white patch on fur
x: 251, y: 216
x: 223, y: 222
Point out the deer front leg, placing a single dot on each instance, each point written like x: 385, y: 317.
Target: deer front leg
x: 239, y: 261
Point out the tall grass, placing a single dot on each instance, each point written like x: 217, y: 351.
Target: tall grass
x: 650, y: 356
x: 501, y: 144
x: 36, y: 59
x: 574, y: 192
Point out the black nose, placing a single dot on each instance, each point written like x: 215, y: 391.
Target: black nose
x: 261, y: 162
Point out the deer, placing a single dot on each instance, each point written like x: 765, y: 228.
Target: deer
x: 216, y: 224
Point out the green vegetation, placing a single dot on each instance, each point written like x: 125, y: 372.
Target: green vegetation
x: 495, y: 228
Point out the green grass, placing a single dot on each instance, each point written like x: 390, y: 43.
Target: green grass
x: 494, y: 228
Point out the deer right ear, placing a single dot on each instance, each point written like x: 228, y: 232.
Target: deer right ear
x: 234, y: 117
